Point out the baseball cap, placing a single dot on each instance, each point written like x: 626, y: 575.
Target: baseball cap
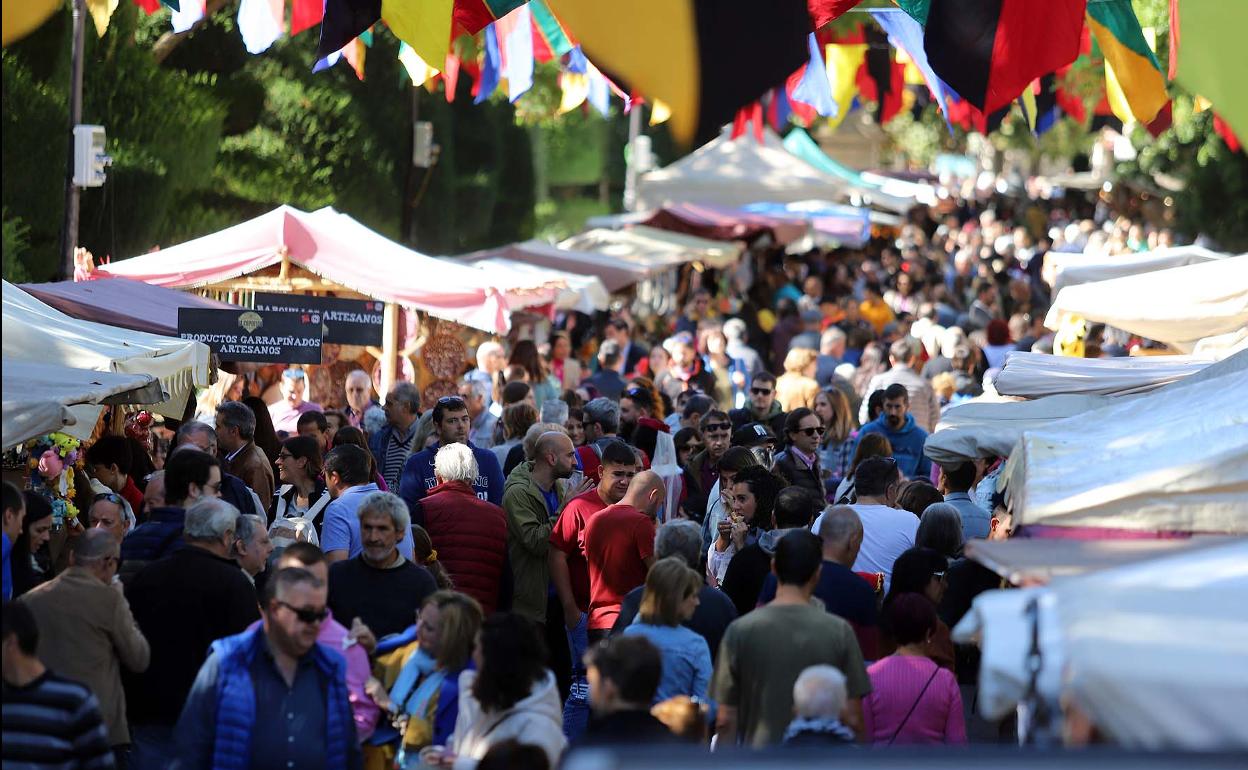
x: 753, y: 434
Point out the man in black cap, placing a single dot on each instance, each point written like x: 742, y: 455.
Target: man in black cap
x: 759, y: 438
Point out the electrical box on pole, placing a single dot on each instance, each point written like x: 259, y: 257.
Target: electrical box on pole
x: 423, y: 149
x: 90, y: 160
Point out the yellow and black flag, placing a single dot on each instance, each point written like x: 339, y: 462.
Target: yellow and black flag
x: 704, y: 58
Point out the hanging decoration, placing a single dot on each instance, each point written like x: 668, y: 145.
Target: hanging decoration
x: 51, y: 461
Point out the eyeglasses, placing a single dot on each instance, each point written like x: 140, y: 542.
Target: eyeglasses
x: 815, y: 431
x: 717, y: 427
x: 761, y: 391
x: 694, y: 447
x: 285, y: 456
x: 306, y: 615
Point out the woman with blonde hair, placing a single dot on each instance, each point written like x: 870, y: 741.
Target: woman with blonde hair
x: 836, y: 446
x: 797, y: 386
x: 421, y: 679
x: 228, y: 387
x: 668, y: 601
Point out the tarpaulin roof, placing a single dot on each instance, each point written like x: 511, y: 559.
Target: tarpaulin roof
x: 1152, y: 650
x: 1174, y: 460
x: 723, y: 223
x: 41, y: 398
x: 734, y: 172
x: 1178, y: 306
x: 1031, y: 375
x: 583, y: 293
x: 122, y: 302
x: 335, y: 246
x: 1074, y: 269
x: 846, y: 225
x: 614, y: 273
x: 35, y: 332
x: 653, y: 245
x: 1037, y: 561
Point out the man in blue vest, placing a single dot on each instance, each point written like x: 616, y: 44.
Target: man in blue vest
x: 452, y: 422
x: 272, y: 697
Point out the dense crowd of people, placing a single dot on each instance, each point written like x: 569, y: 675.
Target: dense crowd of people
x: 717, y: 529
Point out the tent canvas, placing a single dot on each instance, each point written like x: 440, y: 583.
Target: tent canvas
x: 36, y: 332
x: 734, y: 172
x: 1173, y: 460
x: 614, y: 272
x: 651, y: 244
x: 1038, y: 561
x: 582, y: 293
x: 1032, y: 375
x: 727, y: 223
x: 121, y: 302
x: 1178, y: 306
x: 1074, y: 269
x: 40, y: 398
x: 335, y: 247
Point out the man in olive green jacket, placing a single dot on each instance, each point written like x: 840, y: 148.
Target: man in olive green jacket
x: 531, y: 498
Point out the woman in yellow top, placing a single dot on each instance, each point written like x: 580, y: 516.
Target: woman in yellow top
x: 797, y: 386
x: 874, y: 309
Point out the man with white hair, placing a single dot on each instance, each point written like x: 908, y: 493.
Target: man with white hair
x: 904, y: 356
x: 469, y: 534
x: 183, y: 603
x: 476, y: 396
x: 737, y: 332
x: 252, y: 545
x: 818, y: 699
x: 380, y: 586
x: 831, y: 354
x: 359, y: 389
x: 491, y: 358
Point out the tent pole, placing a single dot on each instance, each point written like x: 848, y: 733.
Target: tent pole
x: 389, y: 347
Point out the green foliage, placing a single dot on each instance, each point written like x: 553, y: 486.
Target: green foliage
x: 15, y: 244
x: 562, y: 218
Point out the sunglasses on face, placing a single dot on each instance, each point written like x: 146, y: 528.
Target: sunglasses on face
x: 718, y: 427
x: 694, y: 447
x: 306, y: 615
x: 111, y: 497
x: 761, y: 391
x: 815, y: 431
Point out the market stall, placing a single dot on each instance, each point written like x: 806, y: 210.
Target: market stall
x: 726, y: 223
x: 1032, y: 375
x: 581, y: 293
x: 652, y: 244
x: 1178, y: 306
x: 35, y: 332
x: 43, y: 398
x: 1075, y: 269
x: 121, y: 302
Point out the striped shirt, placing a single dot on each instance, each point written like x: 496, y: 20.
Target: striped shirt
x: 398, y: 449
x: 53, y: 722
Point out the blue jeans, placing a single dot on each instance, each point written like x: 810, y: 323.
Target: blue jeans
x: 152, y: 747
x: 576, y: 709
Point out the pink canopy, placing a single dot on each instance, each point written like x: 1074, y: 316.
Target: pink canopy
x: 336, y: 247
x: 723, y: 223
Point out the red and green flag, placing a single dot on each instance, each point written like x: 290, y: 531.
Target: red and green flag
x: 988, y: 51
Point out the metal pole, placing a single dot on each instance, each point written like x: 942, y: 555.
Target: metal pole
x: 630, y: 172
x: 69, y: 233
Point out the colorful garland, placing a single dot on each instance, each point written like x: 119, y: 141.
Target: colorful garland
x: 51, y: 461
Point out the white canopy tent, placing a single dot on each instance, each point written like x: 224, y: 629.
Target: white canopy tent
x: 35, y: 332
x: 1075, y: 269
x: 1032, y: 375
x: 1172, y: 460
x: 1153, y: 651
x: 583, y: 293
x: 1178, y: 306
x: 41, y: 398
x: 650, y: 245
x: 736, y: 172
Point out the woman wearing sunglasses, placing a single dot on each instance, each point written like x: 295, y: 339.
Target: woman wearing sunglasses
x: 799, y: 462
x: 302, y: 496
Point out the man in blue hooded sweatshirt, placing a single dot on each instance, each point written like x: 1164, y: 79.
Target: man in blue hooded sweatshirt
x: 898, y: 426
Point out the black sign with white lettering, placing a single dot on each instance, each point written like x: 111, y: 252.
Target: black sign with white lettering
x: 255, y: 336
x: 347, y: 321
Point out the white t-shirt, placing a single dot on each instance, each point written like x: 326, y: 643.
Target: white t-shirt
x: 886, y: 534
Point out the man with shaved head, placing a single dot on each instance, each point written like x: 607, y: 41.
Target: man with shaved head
x: 619, y: 547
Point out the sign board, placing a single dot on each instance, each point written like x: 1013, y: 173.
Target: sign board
x: 347, y: 321
x: 254, y: 336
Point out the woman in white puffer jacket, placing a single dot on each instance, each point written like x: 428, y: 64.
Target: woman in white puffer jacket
x: 511, y: 695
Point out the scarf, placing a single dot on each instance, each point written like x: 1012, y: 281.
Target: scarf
x: 417, y: 684
x: 818, y: 725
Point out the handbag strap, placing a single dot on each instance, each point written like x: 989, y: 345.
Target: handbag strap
x: 913, y: 706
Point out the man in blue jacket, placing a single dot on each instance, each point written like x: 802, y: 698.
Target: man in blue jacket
x: 272, y: 696
x: 898, y: 426
x: 451, y: 421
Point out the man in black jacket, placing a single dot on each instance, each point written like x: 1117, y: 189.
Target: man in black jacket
x: 183, y: 603
x: 623, y: 674
x: 763, y: 406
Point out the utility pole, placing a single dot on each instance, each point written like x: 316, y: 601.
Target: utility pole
x: 69, y: 233
x: 630, y: 167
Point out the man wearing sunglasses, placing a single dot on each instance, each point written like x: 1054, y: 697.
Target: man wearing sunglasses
x: 799, y: 462
x: 703, y: 469
x: 763, y: 406
x: 272, y: 696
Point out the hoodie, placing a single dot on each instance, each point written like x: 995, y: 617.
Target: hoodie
x: 907, y: 445
x: 536, y: 719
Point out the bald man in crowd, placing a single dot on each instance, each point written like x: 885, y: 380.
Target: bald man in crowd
x: 619, y: 547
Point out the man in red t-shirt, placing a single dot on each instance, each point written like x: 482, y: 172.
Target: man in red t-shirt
x: 568, y: 570
x: 619, y: 549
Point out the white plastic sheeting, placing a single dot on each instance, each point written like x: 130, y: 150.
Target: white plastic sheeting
x: 41, y: 398
x: 991, y: 429
x: 1154, y: 652
x: 1178, y: 306
x: 1032, y: 375
x: 1074, y: 269
x: 36, y: 332
x: 1172, y: 460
